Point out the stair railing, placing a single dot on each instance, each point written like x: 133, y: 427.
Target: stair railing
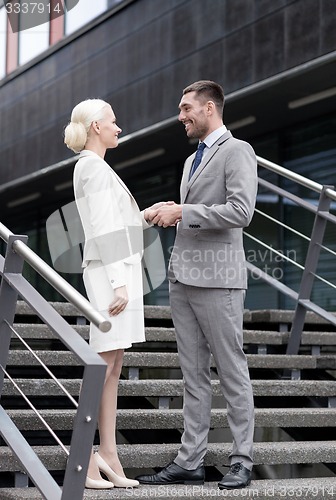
x: 13, y: 284
x: 322, y: 213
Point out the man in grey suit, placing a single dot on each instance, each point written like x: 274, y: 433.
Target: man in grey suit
x: 207, y: 275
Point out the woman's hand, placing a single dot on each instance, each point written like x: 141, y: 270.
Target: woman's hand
x: 120, y: 301
x: 151, y: 212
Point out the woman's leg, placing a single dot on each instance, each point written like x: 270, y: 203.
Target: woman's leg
x: 108, y: 411
x: 107, y: 415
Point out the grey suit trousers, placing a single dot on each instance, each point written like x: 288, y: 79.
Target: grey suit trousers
x: 210, y: 320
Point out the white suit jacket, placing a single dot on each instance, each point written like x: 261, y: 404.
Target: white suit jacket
x: 112, y: 222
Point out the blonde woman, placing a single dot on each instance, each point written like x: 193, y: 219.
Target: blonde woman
x: 113, y: 227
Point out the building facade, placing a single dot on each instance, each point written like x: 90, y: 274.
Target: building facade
x: 275, y: 59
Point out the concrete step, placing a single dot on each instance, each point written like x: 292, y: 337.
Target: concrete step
x: 68, y: 310
x: 274, y: 316
x: 43, y: 332
x: 174, y: 387
x: 320, y: 488
x: 163, y: 334
x: 158, y: 455
x: 170, y: 360
x: 26, y: 420
x: 284, y: 317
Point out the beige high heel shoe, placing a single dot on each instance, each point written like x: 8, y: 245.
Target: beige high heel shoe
x: 98, y: 484
x: 118, y: 481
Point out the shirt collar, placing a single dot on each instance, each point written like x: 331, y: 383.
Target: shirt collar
x: 214, y: 136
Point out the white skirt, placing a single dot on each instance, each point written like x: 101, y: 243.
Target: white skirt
x: 128, y: 326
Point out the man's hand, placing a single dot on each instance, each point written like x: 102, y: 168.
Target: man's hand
x: 151, y: 212
x: 168, y: 215
x: 120, y: 301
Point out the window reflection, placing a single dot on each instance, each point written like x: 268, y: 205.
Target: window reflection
x: 32, y: 42
x: 82, y: 13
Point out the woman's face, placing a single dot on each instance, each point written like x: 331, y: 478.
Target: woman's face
x: 108, y: 129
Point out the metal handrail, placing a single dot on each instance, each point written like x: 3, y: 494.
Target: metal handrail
x: 322, y: 216
x: 54, y: 279
x: 5, y: 233
x: 276, y: 221
x: 284, y: 172
x: 293, y: 176
x: 271, y: 249
x: 291, y: 261
x: 46, y: 369
x: 13, y: 284
x: 37, y: 413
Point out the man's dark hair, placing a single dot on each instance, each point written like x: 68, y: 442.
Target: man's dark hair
x: 207, y: 90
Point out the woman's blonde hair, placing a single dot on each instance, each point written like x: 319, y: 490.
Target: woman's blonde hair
x: 83, y: 114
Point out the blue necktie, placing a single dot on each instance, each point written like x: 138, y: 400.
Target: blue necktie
x: 198, y: 158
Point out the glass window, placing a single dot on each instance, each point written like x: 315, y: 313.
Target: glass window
x: 32, y: 42
x: 82, y: 13
x: 3, y: 29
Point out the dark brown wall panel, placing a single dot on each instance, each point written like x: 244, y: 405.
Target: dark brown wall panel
x: 141, y: 58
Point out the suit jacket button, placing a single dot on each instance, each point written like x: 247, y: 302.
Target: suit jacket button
x: 112, y: 281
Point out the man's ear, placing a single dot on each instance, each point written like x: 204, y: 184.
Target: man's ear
x: 210, y: 105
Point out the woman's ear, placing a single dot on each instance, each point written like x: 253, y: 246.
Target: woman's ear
x: 95, y: 126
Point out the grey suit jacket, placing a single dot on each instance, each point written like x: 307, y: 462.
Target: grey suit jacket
x: 218, y: 202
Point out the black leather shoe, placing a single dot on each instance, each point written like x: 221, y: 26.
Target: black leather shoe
x: 174, y: 474
x: 237, y: 477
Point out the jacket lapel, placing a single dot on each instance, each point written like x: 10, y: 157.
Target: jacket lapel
x: 86, y: 153
x: 185, y: 184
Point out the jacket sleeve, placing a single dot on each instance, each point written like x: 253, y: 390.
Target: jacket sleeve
x: 145, y: 224
x: 105, y: 219
x: 239, y: 192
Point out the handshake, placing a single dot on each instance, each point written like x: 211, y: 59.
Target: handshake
x: 164, y: 213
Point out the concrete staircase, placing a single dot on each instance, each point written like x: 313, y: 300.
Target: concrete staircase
x: 295, y: 407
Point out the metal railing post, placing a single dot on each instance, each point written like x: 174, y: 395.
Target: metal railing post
x: 13, y: 265
x: 8, y: 299
x: 307, y: 280
x: 85, y: 423
x: 84, y: 429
